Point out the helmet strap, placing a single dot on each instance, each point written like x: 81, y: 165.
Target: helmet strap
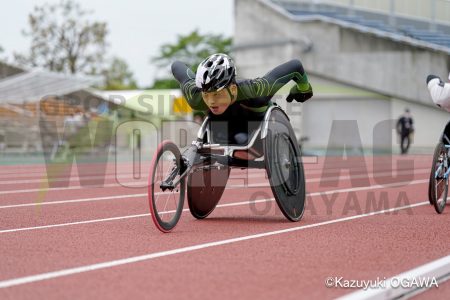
x: 229, y: 93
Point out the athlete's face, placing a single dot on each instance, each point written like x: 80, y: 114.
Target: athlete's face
x: 218, y: 102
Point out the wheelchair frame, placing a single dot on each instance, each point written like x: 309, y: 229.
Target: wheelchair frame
x: 203, y: 156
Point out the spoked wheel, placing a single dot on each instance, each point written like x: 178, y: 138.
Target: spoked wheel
x: 284, y: 166
x: 166, y: 202
x: 438, y: 184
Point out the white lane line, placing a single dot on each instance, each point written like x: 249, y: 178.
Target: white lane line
x: 44, y: 178
x: 137, y: 184
x: 143, y: 184
x: 41, y: 167
x: 78, y: 179
x: 413, y: 293
x: 124, y: 217
x: 113, y: 171
x: 74, y: 201
x: 73, y: 174
x: 221, y: 205
x: 227, y: 188
x: 377, y: 186
x: 439, y: 268
x: 112, y: 197
x: 74, y: 223
x: 235, y: 177
x: 39, y: 174
x: 368, y: 162
x: 371, y: 175
x: 230, y: 187
x: 114, y: 263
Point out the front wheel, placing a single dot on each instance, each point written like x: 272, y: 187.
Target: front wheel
x: 438, y: 187
x: 166, y: 201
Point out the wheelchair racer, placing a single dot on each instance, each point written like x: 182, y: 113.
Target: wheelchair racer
x: 237, y: 104
x: 440, y: 94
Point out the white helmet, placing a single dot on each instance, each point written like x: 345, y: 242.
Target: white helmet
x: 215, y: 73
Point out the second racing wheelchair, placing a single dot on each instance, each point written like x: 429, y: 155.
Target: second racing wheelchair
x: 202, y: 170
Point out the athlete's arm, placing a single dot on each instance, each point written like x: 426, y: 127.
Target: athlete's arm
x: 191, y: 92
x: 270, y: 83
x: 262, y: 89
x: 292, y: 70
x: 439, y: 91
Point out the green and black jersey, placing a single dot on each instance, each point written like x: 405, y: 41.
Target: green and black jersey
x: 253, y: 94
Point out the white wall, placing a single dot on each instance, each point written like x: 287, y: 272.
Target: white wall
x: 357, y: 58
x: 349, y: 57
x: 320, y: 113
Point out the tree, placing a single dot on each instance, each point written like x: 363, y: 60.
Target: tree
x: 165, y: 83
x: 63, y: 39
x: 190, y: 49
x: 118, y: 76
x: 3, y: 59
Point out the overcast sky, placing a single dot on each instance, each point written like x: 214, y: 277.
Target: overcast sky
x: 137, y: 27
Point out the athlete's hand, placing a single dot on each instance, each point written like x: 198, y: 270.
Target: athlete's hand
x: 297, y: 95
x: 431, y: 77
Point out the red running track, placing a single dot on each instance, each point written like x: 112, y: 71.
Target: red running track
x: 88, y: 241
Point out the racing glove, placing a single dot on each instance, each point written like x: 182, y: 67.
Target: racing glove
x: 300, y: 95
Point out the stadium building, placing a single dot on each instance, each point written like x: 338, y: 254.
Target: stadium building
x: 367, y: 61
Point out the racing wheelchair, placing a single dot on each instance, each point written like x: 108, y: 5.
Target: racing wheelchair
x: 206, y: 166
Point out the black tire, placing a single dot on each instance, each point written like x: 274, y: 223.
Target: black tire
x: 165, y: 206
x: 284, y: 166
x: 430, y: 188
x: 204, y: 190
x: 438, y: 187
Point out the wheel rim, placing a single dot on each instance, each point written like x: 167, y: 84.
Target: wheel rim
x: 166, y: 203
x: 286, y: 164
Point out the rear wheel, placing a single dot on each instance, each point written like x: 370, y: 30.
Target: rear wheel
x: 284, y: 166
x: 166, y: 203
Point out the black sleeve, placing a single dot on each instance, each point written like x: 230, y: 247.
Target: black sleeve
x: 261, y: 90
x: 191, y: 92
x: 279, y: 76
